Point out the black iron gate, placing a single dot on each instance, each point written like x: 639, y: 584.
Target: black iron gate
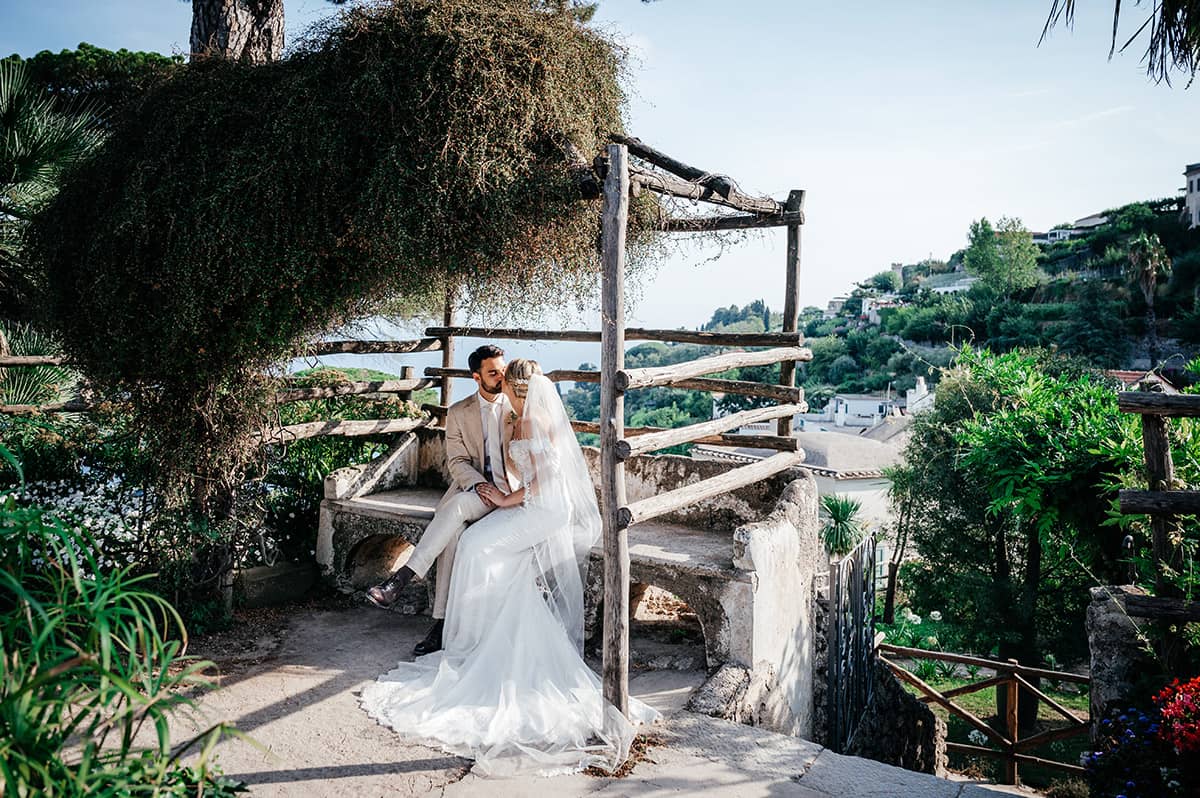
x: 851, y: 639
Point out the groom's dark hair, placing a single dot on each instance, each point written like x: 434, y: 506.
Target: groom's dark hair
x: 485, y: 352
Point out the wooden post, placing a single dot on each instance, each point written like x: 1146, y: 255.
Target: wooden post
x: 791, y: 297
x: 612, y: 429
x: 448, y: 320
x: 1011, y: 726
x: 1161, y: 472
x: 407, y: 373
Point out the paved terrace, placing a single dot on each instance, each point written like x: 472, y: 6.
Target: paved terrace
x: 295, y: 689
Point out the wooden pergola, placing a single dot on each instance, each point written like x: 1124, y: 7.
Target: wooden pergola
x: 615, y: 178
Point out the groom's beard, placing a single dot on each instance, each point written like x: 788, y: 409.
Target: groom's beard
x: 494, y: 390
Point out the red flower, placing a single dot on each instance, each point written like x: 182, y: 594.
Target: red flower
x: 1179, y: 707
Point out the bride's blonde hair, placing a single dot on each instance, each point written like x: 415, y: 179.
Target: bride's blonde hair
x: 518, y: 373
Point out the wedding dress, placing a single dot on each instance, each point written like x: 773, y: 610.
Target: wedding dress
x: 510, y: 689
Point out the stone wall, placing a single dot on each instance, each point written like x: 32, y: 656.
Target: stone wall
x: 897, y: 729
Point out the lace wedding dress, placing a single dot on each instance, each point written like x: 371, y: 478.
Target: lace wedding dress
x: 510, y: 689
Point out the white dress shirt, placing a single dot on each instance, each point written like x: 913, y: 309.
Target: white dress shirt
x: 490, y: 415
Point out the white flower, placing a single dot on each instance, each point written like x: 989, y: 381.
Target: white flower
x: 934, y: 615
x: 931, y: 641
x: 977, y: 737
x: 916, y: 619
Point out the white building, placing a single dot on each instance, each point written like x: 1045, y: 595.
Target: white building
x: 834, y: 307
x: 846, y: 465
x: 1192, y: 201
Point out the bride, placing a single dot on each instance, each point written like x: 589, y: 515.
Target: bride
x: 510, y: 688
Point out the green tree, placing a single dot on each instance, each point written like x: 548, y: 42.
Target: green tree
x: 884, y: 282
x: 1003, y: 257
x: 103, y: 80
x: 1000, y: 484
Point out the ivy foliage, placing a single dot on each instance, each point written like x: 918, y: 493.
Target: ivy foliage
x: 237, y: 211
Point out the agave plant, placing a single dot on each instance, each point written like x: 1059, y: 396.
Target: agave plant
x: 842, y: 530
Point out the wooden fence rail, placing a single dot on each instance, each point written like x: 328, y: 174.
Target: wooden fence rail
x: 701, y: 337
x: 1162, y: 502
x: 1014, y: 679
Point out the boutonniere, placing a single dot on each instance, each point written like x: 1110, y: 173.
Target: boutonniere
x: 512, y: 416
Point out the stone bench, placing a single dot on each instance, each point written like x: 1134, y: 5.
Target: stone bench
x: 743, y: 563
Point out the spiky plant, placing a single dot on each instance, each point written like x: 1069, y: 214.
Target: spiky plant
x: 842, y: 529
x: 34, y: 385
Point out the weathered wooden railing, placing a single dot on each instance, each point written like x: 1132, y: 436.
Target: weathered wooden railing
x: 1164, y: 504
x: 1014, y: 679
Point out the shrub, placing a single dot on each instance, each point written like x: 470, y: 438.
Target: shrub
x: 87, y: 661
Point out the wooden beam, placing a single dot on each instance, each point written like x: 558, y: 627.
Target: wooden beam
x: 791, y: 296
x: 702, y: 337
x: 314, y: 348
x: 447, y: 345
x: 731, y: 480
x: 778, y: 393
x: 1159, y: 404
x: 946, y: 703
x: 748, y: 441
x: 354, y: 389
x: 73, y: 406
x: 717, y: 186
x: 706, y: 224
x: 670, y: 185
x: 966, y: 659
x: 614, y: 222
x: 669, y: 375
x: 343, y: 428
x: 8, y: 361
x: 1059, y: 708
x: 1160, y: 473
x: 1165, y: 608
x: 649, y: 442
x: 1160, y: 502
x: 437, y: 411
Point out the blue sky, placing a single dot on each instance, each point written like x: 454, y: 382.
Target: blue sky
x: 904, y: 121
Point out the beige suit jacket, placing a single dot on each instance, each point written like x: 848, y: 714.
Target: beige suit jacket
x: 464, y: 444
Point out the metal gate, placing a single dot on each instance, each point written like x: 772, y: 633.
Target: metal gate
x: 851, y: 639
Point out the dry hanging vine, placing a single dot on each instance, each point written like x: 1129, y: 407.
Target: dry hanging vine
x: 237, y: 211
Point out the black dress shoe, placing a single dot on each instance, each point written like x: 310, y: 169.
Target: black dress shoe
x: 386, y: 592
x: 432, y: 641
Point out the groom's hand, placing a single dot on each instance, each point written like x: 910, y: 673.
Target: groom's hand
x: 481, y: 490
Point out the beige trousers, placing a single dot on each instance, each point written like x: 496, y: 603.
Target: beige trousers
x: 440, y: 539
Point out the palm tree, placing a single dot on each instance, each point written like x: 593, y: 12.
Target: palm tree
x: 38, y: 142
x: 842, y: 530
x: 1173, y: 27
x: 1147, y: 260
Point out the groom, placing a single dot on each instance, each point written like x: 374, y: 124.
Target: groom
x: 478, y: 430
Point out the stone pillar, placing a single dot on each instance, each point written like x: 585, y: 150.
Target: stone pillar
x: 1120, y: 652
